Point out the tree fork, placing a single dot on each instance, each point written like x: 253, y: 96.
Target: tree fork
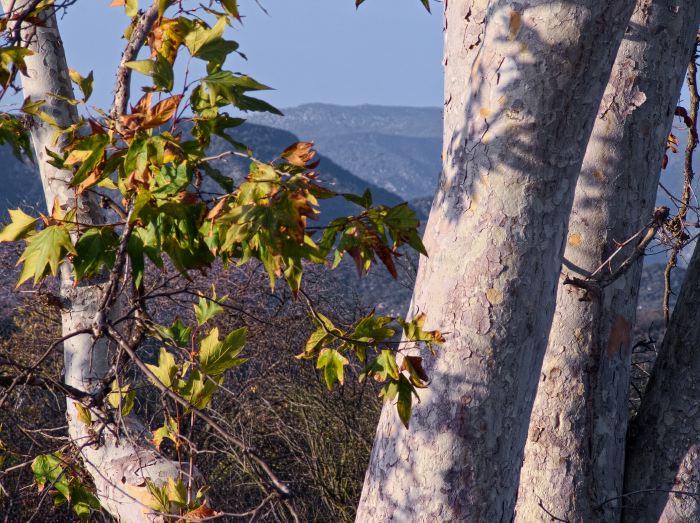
x: 574, y: 457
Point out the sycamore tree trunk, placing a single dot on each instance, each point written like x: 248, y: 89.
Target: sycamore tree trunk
x: 523, y: 83
x: 663, y: 449
x: 574, y: 456
x: 119, y: 464
x: 662, y: 472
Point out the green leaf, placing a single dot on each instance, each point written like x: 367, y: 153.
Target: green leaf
x: 178, y: 334
x: 146, y: 67
x: 84, y: 83
x: 333, y: 364
x: 10, y: 56
x: 177, y: 492
x: 49, y: 472
x: 32, y: 107
x: 131, y: 8
x: 403, y: 405
x: 166, y: 369
x: 21, y: 226
x: 163, y: 76
x: 413, y: 330
x: 199, y: 389
x: 384, y: 366
x: 15, y: 134
x: 202, y: 35
x: 216, y: 357
x: 123, y: 396
x: 171, y: 180
x: 317, y: 339
x: 96, y: 248
x: 364, y: 201
x: 90, y: 151
x: 231, y: 7
x: 84, y: 414
x: 44, y: 253
x: 83, y: 501
x: 167, y: 431
x: 207, y: 308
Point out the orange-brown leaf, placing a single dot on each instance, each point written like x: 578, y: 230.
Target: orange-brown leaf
x: 143, y: 105
x: 215, y: 211
x: 200, y: 513
x: 299, y: 154
x: 162, y: 111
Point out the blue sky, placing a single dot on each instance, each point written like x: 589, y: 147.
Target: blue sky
x: 388, y: 52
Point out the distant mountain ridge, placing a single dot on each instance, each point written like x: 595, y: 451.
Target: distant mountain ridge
x: 396, y: 148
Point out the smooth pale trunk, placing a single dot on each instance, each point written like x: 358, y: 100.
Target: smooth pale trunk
x: 118, y: 467
x: 523, y: 83
x: 574, y: 456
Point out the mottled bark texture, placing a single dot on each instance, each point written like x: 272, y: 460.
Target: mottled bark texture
x: 664, y: 437
x: 574, y: 456
x: 662, y: 468
x: 118, y: 466
x: 523, y: 83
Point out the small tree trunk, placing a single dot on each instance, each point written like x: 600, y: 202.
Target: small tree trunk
x: 664, y: 437
x: 574, y: 457
x: 523, y: 83
x: 662, y: 473
x: 120, y: 465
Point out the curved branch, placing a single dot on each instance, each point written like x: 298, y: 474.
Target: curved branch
x: 122, y: 84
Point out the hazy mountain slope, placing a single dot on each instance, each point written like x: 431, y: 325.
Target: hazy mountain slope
x: 397, y: 148
x: 327, y: 120
x: 20, y: 184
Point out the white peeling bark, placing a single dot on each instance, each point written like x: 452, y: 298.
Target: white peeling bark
x: 574, y: 457
x: 118, y: 466
x: 523, y: 82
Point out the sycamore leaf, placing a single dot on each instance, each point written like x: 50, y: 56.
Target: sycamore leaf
x: 163, y: 111
x: 122, y: 396
x: 215, y: 357
x: 333, y: 364
x: 199, y: 389
x: 49, y: 471
x: 384, y: 366
x: 90, y: 151
x: 203, y: 512
x: 21, y: 226
x: 84, y: 414
x: 207, y: 308
x: 299, y: 154
x: 413, y: 330
x: 202, y: 35
x: 132, y: 7
x: 44, y: 253
x: 317, y: 339
x: 83, y: 502
x: 231, y: 7
x: 96, y: 248
x: 84, y: 83
x: 178, y: 334
x: 167, y: 431
x: 416, y: 373
x: 177, y: 492
x: 166, y: 369
x: 403, y: 405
